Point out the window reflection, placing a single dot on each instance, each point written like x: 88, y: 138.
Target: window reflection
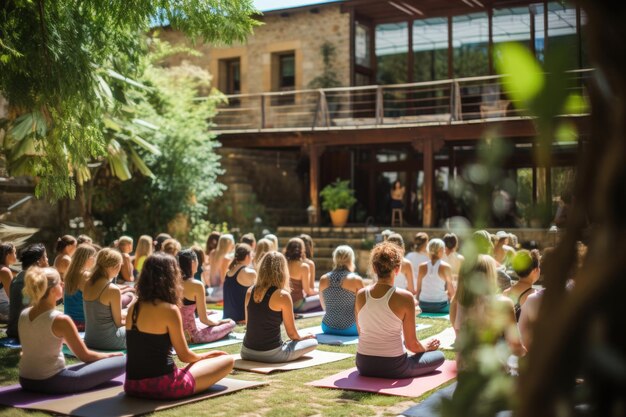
x: 470, y: 39
x: 392, y: 46
x: 430, y: 49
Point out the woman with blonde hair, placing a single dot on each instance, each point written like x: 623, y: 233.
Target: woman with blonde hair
x: 477, y: 303
x: 385, y: 318
x: 268, y: 305
x: 43, y: 330
x: 154, y: 327
x: 104, y: 321
x: 144, y: 249
x: 303, y: 293
x: 338, y: 290
x: 263, y: 246
x: 219, y: 261
x: 434, y: 281
x: 194, y: 302
x: 65, y: 247
x: 77, y: 274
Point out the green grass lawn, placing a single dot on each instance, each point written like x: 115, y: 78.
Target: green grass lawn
x: 286, y: 394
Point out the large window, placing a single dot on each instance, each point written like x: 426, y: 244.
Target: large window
x: 232, y: 76
x: 286, y: 72
x: 562, y: 28
x: 392, y: 47
x: 362, y: 44
x: 511, y: 25
x: 430, y: 49
x: 470, y: 39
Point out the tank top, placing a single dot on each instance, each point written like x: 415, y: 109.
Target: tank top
x: 149, y: 355
x: 74, y: 306
x: 433, y: 287
x: 517, y: 307
x: 401, y: 281
x: 416, y: 258
x: 100, y: 329
x: 380, y: 330
x: 234, y: 297
x: 42, y: 357
x: 296, y: 290
x: 140, y: 263
x: 339, y: 301
x: 263, y: 329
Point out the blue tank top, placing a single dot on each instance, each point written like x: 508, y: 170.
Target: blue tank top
x: 74, y: 306
x: 234, y: 298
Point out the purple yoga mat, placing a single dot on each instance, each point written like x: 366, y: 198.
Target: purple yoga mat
x: 15, y: 396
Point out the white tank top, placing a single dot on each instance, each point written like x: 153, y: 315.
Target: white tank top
x: 380, y: 330
x: 433, y: 287
x: 400, y: 281
x: 416, y: 258
x: 41, y: 349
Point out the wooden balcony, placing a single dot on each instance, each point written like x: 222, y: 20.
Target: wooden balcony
x: 437, y: 103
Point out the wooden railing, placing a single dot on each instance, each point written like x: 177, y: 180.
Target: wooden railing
x: 458, y: 100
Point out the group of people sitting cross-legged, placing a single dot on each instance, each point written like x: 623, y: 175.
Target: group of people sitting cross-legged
x: 162, y: 305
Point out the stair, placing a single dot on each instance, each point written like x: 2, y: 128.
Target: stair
x: 326, y: 239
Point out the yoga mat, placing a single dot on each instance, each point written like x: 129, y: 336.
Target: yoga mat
x: 15, y: 396
x: 309, y: 315
x: 335, y: 340
x: 430, y: 406
x: 113, y: 402
x: 231, y: 339
x: 444, y: 316
x: 10, y: 343
x: 446, y: 339
x: 314, y: 358
x: 410, y: 387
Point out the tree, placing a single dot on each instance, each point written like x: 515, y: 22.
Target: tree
x: 58, y: 59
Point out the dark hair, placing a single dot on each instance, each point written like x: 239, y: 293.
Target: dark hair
x: 160, y: 280
x: 420, y: 240
x: 308, y: 244
x: 241, y: 251
x: 294, y: 249
x: 199, y: 254
x: 185, y: 259
x: 31, y: 254
x: 5, y: 249
x: 161, y: 237
x: 211, y: 242
x: 65, y: 241
x: 524, y: 262
x: 248, y: 239
x: 450, y: 240
x: 386, y: 257
x: 83, y: 239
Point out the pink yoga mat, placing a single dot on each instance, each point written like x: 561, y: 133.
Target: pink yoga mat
x: 412, y: 387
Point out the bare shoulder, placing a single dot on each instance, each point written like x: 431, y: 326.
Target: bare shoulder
x: 504, y: 302
x: 405, y: 294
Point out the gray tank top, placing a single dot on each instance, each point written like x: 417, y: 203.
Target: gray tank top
x: 100, y: 329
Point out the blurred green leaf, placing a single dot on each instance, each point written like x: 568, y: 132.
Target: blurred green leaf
x: 523, y: 77
x: 575, y: 104
x: 566, y: 132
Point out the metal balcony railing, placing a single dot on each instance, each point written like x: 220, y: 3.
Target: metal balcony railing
x: 460, y: 100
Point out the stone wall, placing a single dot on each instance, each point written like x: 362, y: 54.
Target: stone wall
x: 300, y: 31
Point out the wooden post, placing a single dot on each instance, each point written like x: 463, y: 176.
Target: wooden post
x: 428, y: 183
x: 315, y: 151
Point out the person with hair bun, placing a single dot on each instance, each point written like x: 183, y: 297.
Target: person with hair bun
x: 338, y: 290
x: 8, y: 257
x: 155, y: 326
x: 65, y: 247
x: 31, y: 255
x: 303, y: 293
x: 386, y: 323
x: 43, y: 330
x: 102, y: 301
x: 268, y: 305
x: 83, y: 260
x: 239, y: 278
x: 434, y: 281
x: 194, y: 302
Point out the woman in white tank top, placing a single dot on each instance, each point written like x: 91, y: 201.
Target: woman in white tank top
x: 434, y: 281
x: 385, y: 317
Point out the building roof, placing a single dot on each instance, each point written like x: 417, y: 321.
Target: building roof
x: 276, y: 5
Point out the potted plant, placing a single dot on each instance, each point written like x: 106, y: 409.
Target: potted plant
x: 337, y: 198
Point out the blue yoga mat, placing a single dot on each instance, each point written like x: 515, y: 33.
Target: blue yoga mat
x: 9, y: 342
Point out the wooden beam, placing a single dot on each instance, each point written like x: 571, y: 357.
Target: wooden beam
x: 314, y: 152
x: 429, y: 174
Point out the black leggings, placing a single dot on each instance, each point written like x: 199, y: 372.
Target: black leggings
x: 403, y: 366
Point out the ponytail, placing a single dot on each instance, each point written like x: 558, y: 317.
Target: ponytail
x: 38, y: 281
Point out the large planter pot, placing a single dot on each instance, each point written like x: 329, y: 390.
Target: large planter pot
x: 339, y: 217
